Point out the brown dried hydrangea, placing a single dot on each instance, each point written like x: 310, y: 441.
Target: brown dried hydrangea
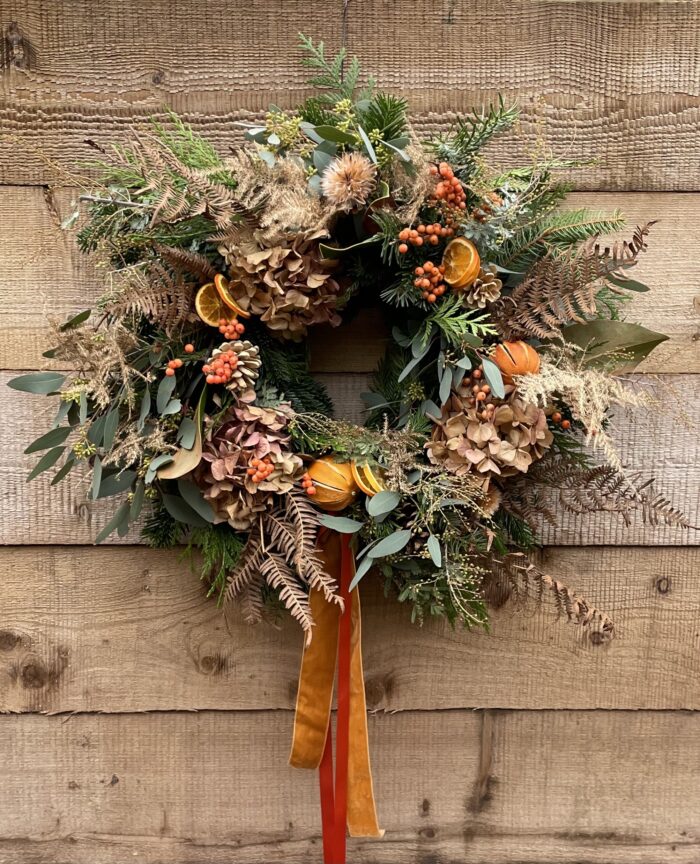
x: 287, y: 285
x: 515, y: 435
x: 247, y: 433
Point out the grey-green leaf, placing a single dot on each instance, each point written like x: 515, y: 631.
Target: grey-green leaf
x: 155, y: 464
x: 96, y: 478
x: 340, y: 523
x: 331, y: 133
x: 602, y: 338
x: 137, y: 501
x: 110, y: 430
x: 38, y: 382
x: 50, y: 439
x: 435, y: 550
x: 390, y: 545
x: 408, y: 368
x: 116, y: 483
x: 75, y: 321
x: 121, y: 515
x: 493, y: 377
x: 182, y: 512
x: 173, y: 407
x: 382, y: 503
x: 192, y: 496
x: 445, y: 386
x: 165, y: 391
x: 368, y: 144
x: 67, y: 466
x: 187, y: 433
x: 362, y: 569
x: 145, y: 409
x: 47, y: 461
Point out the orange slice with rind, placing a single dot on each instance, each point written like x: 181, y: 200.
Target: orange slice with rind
x: 366, y: 479
x: 461, y: 261
x: 208, y: 305
x: 223, y: 287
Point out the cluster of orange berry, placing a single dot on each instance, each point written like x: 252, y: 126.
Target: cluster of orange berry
x: 431, y: 234
x: 449, y: 189
x: 172, y: 366
x: 230, y: 329
x: 429, y: 278
x: 481, y: 398
x: 557, y: 419
x: 221, y: 368
x: 260, y: 469
x: 308, y: 484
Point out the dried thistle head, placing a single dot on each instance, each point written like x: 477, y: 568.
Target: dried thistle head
x: 348, y: 181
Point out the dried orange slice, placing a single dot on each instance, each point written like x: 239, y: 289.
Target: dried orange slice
x: 208, y: 305
x: 461, y: 261
x: 366, y: 479
x: 223, y: 286
x: 374, y: 481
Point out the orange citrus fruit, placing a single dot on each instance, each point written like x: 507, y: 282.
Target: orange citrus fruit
x: 461, y: 261
x: 366, y: 479
x: 208, y: 305
x: 223, y: 286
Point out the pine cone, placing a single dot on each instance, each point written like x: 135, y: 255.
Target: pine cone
x: 501, y: 442
x: 485, y: 289
x: 245, y: 374
x: 288, y: 285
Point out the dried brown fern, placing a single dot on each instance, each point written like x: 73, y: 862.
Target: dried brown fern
x: 280, y: 576
x: 186, y: 261
x: 564, y: 287
x: 154, y: 291
x: 524, y: 579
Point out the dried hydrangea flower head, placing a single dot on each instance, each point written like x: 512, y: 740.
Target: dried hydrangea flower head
x: 348, y: 181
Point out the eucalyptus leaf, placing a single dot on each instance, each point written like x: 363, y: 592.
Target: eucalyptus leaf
x: 182, y: 512
x: 310, y: 132
x: 137, y: 501
x: 67, y: 466
x: 164, y: 392
x: 314, y: 185
x: 398, y: 150
x: 408, y: 368
x: 321, y: 160
x: 382, y: 503
x: 332, y: 133
x: 48, y: 460
x: 362, y: 569
x: 628, y: 284
x: 187, y: 459
x: 115, y: 483
x: 274, y: 139
x: 390, y: 545
x: 110, y: 428
x: 368, y: 144
x: 340, y: 523
x: 145, y: 409
x: 83, y: 407
x: 400, y: 337
x: 457, y: 376
x: 155, y: 464
x: 430, y: 409
x: 435, y: 550
x: 96, y: 478
x: 493, y: 378
x: 445, y: 386
x: 49, y: 439
x: 603, y: 338
x: 192, y: 496
x: 41, y: 383
x: 173, y: 407
x: 373, y: 400
x: 61, y: 414
x: 187, y: 433
x: 464, y: 363
x: 121, y: 515
x: 75, y: 321
x: 400, y: 142
x: 96, y: 430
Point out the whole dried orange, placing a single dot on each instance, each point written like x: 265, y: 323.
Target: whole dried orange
x: 461, y: 262
x: 209, y: 306
x: 223, y: 286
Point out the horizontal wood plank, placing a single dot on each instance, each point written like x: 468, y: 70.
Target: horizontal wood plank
x: 44, y: 274
x: 127, y: 629
x: 37, y: 512
x: 456, y: 786
x: 614, y: 80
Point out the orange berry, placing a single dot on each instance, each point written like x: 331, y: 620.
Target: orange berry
x: 311, y: 490
x: 434, y: 240
x: 403, y: 248
x: 433, y: 169
x: 421, y: 229
x: 189, y: 348
x: 566, y: 424
x: 477, y: 373
x: 419, y: 271
x: 556, y: 417
x: 418, y: 241
x: 177, y: 363
x: 405, y: 234
x: 480, y: 397
x: 250, y: 472
x: 170, y: 372
x: 210, y: 379
x: 431, y: 298
x: 485, y: 388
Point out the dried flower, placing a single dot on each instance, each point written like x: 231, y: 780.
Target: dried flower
x: 348, y: 181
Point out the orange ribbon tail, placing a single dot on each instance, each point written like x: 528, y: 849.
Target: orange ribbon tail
x: 349, y: 798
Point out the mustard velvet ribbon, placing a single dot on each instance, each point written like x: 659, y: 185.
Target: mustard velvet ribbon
x: 315, y: 697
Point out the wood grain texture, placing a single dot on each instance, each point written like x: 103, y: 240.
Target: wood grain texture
x: 516, y: 788
x: 614, y: 80
x: 128, y: 629
x: 45, y: 274
x: 36, y: 512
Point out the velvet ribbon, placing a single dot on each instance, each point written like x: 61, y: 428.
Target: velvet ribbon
x: 347, y: 799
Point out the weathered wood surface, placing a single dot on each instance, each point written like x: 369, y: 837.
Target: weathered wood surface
x: 453, y: 786
x: 127, y: 629
x: 614, y: 80
x: 45, y: 274
x: 36, y: 512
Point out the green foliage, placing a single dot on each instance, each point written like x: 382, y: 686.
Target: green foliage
x: 512, y: 530
x: 334, y: 75
x: 556, y: 231
x: 219, y: 549
x: 457, y: 324
x: 385, y: 114
x: 470, y: 134
x: 160, y: 530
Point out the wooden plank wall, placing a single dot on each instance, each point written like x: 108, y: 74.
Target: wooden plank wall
x: 529, y: 744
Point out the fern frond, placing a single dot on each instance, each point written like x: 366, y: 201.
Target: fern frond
x: 279, y: 576
x: 526, y: 579
x: 250, y: 600
x: 555, y: 232
x: 249, y: 565
x: 190, y: 262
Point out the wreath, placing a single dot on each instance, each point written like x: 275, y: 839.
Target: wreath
x: 190, y: 396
